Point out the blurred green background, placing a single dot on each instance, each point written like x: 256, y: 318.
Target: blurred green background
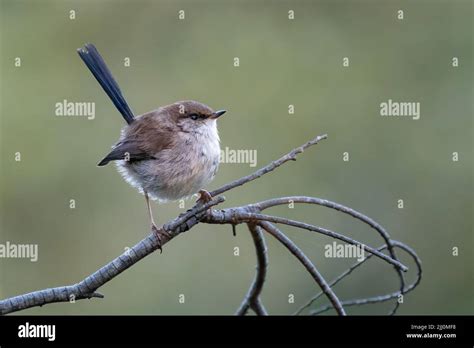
x: 282, y: 62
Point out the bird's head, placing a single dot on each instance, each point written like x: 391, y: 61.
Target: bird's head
x: 192, y: 116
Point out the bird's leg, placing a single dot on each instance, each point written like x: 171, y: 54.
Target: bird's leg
x: 204, y: 197
x: 152, y: 221
x: 150, y: 213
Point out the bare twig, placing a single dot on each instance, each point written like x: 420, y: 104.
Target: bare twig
x: 336, y: 280
x: 346, y: 210
x: 252, y: 299
x: 243, y: 215
x: 258, y: 307
x: 280, y: 236
x: 383, y: 298
x: 291, y: 156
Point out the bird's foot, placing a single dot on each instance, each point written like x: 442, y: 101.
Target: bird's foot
x: 160, y: 233
x: 204, y: 197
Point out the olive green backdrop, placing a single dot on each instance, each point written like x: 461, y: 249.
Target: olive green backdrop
x: 282, y: 62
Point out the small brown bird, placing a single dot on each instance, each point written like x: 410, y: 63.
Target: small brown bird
x: 169, y: 153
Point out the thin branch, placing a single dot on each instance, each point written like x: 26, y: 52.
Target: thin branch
x: 387, y: 297
x: 346, y: 210
x: 288, y: 243
x: 252, y: 299
x: 241, y: 214
x: 258, y: 307
x: 337, y: 280
x: 291, y: 156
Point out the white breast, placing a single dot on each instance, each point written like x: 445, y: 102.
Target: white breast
x: 178, y: 172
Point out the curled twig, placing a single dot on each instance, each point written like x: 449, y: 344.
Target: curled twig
x: 346, y: 210
x: 375, y: 299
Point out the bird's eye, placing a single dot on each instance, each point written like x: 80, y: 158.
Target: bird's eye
x: 194, y: 117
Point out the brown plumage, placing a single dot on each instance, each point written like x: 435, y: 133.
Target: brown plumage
x: 167, y: 154
x: 171, y: 152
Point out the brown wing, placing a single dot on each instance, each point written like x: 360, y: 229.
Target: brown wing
x: 127, y: 150
x: 144, y: 138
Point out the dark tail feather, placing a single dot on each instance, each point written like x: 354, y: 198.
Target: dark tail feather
x: 97, y: 66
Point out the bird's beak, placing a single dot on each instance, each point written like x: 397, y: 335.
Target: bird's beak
x: 218, y: 114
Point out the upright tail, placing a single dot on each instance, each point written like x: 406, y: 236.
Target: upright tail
x: 97, y: 66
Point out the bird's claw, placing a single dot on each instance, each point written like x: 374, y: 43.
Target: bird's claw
x: 204, y: 197
x: 156, y: 231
